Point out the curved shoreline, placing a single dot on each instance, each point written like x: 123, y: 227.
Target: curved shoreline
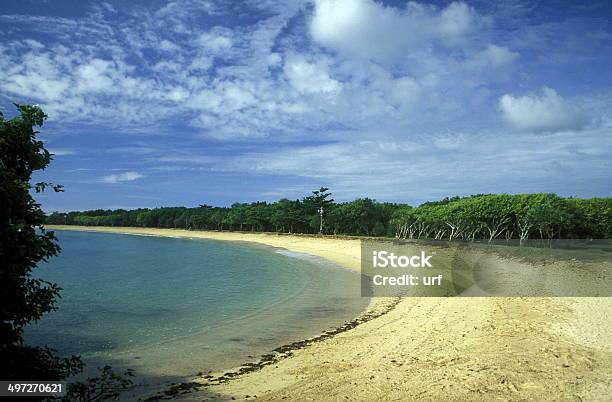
x: 429, y: 348
x: 276, y: 355
x: 375, y: 309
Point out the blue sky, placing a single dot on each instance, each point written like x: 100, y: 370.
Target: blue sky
x: 186, y: 102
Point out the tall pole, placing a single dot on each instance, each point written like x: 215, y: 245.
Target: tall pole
x: 321, y: 221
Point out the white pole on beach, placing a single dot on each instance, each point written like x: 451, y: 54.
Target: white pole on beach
x: 321, y: 224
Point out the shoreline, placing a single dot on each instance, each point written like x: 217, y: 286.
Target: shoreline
x: 425, y: 348
x: 376, y: 308
x: 313, y: 245
x: 274, y: 356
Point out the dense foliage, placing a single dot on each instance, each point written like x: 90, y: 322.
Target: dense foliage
x: 24, y: 243
x: 523, y: 216
x: 486, y: 217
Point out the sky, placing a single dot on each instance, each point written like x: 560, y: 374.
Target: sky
x: 186, y: 102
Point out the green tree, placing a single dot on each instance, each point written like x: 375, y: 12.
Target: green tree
x: 287, y: 215
x: 361, y: 216
x: 24, y: 243
x: 492, y: 212
x: 317, y: 205
x: 482, y: 216
x: 404, y: 222
x: 595, y: 217
x: 238, y: 215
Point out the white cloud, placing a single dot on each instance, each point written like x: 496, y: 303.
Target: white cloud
x: 251, y: 80
x: 96, y: 76
x: 61, y: 151
x: 309, y: 77
x: 449, y: 142
x: 411, y: 169
x: 541, y: 113
x: 378, y: 82
x: 371, y: 30
x: 215, y: 42
x: 403, y: 92
x: 38, y: 76
x: 455, y: 20
x: 120, y: 177
x: 397, y: 69
x: 168, y: 46
x: 495, y: 56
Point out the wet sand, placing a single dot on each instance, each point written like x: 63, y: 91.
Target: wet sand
x: 428, y: 348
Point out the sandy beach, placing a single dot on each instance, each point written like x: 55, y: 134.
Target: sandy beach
x: 428, y: 348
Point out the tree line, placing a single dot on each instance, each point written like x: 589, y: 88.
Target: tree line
x: 493, y: 216
x: 478, y: 217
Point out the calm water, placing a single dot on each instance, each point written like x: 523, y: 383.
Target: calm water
x: 170, y: 307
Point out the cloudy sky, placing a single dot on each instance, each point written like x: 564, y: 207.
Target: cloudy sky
x: 182, y: 102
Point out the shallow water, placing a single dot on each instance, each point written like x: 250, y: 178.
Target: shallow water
x: 170, y: 308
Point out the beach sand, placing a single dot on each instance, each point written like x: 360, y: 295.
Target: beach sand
x: 429, y: 348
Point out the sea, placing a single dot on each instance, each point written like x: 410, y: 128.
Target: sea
x: 170, y: 308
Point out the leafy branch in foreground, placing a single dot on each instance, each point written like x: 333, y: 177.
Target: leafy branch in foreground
x: 24, y: 243
x: 108, y: 385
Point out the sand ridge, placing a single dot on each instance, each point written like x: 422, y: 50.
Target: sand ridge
x: 431, y: 348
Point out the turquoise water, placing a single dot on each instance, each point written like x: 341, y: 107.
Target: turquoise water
x: 170, y: 308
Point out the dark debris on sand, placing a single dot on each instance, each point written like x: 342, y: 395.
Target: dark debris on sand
x: 275, y: 356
